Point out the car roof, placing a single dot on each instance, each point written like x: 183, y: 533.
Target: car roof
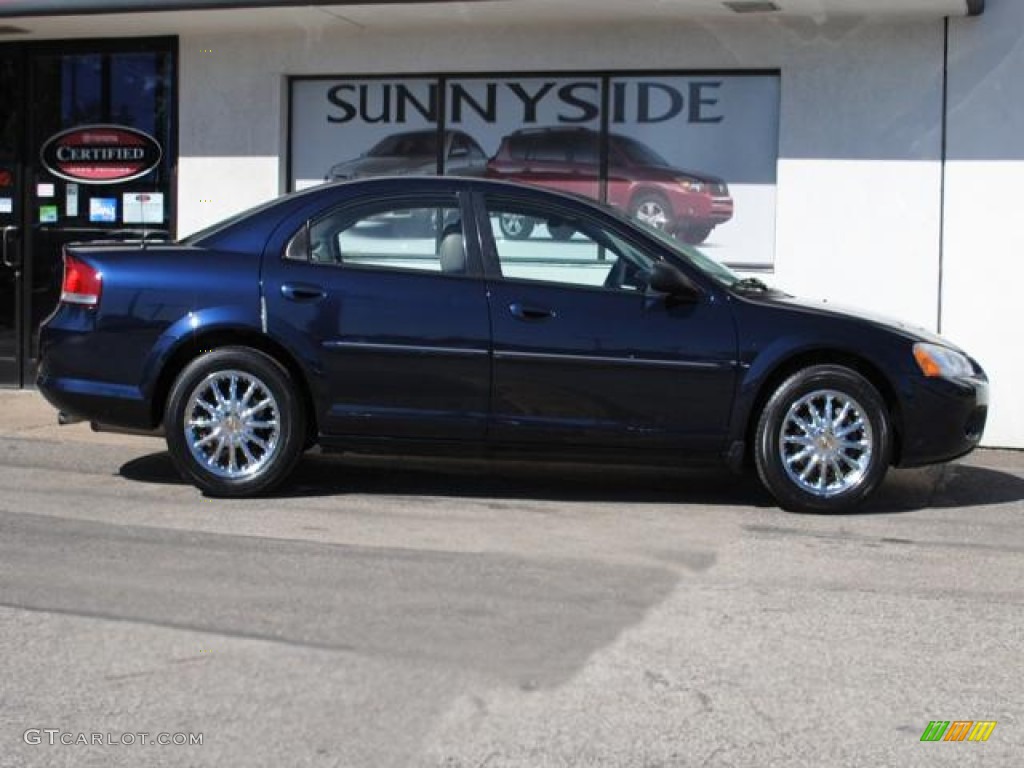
x: 424, y: 132
x: 240, y: 231
x: 552, y: 129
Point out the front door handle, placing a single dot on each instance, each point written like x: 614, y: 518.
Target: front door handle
x: 530, y: 311
x: 302, y: 292
x: 10, y: 247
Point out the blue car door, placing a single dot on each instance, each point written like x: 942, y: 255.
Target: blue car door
x: 584, y: 357
x: 387, y: 299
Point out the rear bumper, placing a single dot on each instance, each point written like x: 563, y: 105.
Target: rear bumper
x: 83, y: 370
x: 943, y: 419
x: 87, y: 400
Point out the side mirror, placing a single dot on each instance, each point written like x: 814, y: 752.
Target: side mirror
x: 667, y: 279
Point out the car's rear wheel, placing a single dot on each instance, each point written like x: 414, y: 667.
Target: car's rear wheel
x: 653, y: 209
x: 234, y: 424
x: 823, y: 440
x: 694, y: 234
x: 515, y: 226
x: 561, y: 231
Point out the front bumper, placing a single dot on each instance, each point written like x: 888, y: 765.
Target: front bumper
x: 942, y: 419
x: 699, y: 207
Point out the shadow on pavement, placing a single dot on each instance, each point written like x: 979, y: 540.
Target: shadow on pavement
x: 527, y: 621
x: 943, y: 486
x: 333, y: 475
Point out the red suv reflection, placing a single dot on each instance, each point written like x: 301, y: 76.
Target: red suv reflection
x: 687, y: 203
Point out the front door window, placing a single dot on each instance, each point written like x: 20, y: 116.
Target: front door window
x: 538, y: 245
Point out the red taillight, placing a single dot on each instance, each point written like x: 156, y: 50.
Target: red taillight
x: 82, y: 283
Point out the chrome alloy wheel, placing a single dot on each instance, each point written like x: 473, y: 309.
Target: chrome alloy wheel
x: 826, y: 443
x: 653, y: 213
x: 513, y: 224
x: 232, y: 424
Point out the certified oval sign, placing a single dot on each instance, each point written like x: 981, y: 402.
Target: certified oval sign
x: 101, y: 154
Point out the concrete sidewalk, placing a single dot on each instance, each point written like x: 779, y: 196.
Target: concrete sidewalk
x: 25, y: 414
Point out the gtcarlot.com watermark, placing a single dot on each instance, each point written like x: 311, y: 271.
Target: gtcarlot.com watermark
x: 54, y: 736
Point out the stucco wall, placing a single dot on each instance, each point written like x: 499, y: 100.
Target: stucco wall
x: 858, y: 190
x: 983, y: 276
x: 859, y: 178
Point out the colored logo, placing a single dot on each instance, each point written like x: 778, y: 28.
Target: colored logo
x: 101, y: 154
x: 958, y: 730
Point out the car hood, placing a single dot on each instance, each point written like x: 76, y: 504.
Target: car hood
x: 828, y: 309
x: 697, y: 175
x: 392, y: 165
x: 667, y: 173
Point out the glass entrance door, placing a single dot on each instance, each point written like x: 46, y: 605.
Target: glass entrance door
x: 89, y: 145
x: 11, y: 77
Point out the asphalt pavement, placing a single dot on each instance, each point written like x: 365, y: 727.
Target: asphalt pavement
x: 397, y: 612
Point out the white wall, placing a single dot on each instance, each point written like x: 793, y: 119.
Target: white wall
x: 859, y: 177
x: 983, y: 276
x: 858, y: 214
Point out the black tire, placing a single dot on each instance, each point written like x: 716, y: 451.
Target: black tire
x: 694, y: 234
x: 515, y: 226
x: 561, y: 232
x: 823, y: 464
x: 204, y: 392
x: 653, y: 209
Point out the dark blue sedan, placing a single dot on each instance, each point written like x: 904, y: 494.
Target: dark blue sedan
x: 391, y: 315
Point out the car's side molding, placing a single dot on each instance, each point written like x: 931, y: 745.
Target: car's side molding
x: 421, y: 349
x: 531, y: 356
x: 709, y: 365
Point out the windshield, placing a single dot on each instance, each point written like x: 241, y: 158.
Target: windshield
x: 716, y: 271
x: 406, y: 144
x: 639, y: 153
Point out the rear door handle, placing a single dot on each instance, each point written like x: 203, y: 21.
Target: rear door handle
x: 302, y: 292
x: 530, y: 311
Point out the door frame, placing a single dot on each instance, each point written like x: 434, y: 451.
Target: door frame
x: 27, y: 161
x: 673, y: 445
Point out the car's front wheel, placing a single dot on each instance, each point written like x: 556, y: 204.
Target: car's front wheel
x: 823, y: 440
x: 233, y: 422
x: 694, y: 234
x: 654, y: 210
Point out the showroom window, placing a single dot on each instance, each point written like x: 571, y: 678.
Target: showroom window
x: 691, y: 153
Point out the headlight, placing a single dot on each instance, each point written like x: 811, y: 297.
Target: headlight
x: 691, y: 185
x: 936, y: 361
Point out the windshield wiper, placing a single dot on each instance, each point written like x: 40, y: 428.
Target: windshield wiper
x: 750, y: 284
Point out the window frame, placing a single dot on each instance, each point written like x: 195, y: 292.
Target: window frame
x: 489, y: 244
x: 354, y: 211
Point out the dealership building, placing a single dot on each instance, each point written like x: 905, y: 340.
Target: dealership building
x: 865, y: 153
